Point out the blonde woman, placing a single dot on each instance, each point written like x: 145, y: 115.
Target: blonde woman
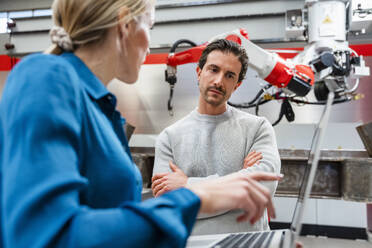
x: 66, y: 179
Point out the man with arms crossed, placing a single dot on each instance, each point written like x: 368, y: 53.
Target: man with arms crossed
x: 216, y: 139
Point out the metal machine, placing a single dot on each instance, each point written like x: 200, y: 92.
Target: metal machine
x: 327, y: 63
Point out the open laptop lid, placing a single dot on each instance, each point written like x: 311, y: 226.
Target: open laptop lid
x: 310, y: 169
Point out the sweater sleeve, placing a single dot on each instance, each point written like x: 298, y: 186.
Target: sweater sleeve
x: 40, y: 134
x: 163, y: 153
x: 265, y: 142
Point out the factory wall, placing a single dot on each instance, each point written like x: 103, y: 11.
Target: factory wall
x: 144, y: 104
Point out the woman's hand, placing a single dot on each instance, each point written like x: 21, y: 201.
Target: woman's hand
x: 237, y: 191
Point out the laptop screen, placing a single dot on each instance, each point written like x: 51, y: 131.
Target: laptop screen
x: 305, y: 179
x: 311, y: 167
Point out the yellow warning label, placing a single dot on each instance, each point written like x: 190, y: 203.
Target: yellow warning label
x: 327, y: 20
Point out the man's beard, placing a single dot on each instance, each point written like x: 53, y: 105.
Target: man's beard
x: 214, y: 102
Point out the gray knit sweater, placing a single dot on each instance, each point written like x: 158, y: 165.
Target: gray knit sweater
x: 208, y: 146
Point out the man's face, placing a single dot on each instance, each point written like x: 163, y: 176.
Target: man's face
x: 219, y: 77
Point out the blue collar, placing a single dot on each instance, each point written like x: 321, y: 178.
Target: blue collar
x: 92, y: 84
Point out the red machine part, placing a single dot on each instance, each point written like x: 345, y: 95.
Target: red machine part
x: 305, y: 73
x: 234, y: 38
x: 191, y: 55
x: 281, y: 75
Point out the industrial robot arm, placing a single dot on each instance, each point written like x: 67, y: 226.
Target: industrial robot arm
x: 270, y: 66
x: 296, y: 79
x: 326, y: 62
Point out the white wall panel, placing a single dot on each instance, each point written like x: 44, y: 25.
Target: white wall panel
x: 323, y: 212
x: 285, y: 206
x: 30, y: 42
x: 6, y: 5
x: 200, y: 32
x: 4, y: 38
x: 341, y: 213
x: 33, y: 24
x: 299, y: 136
x: 225, y: 10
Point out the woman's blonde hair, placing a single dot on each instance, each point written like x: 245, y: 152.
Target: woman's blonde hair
x: 87, y: 21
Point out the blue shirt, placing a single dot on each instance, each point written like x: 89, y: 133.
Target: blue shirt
x: 68, y: 179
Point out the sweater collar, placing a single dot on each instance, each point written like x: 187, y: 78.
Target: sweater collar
x: 213, y: 118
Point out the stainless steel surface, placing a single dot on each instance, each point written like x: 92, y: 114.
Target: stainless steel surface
x: 357, y: 179
x: 325, y: 155
x: 365, y: 133
x: 326, y: 184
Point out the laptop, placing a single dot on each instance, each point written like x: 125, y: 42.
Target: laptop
x: 283, y: 238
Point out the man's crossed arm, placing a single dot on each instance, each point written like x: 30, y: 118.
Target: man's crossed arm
x: 164, y: 182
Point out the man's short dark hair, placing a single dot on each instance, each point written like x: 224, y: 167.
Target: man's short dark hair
x: 226, y: 46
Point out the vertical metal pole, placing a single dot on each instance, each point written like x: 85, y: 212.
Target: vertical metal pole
x: 369, y: 222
